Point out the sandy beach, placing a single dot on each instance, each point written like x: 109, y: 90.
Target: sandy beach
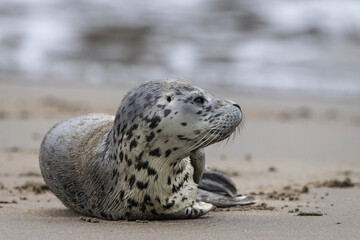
x: 299, y: 155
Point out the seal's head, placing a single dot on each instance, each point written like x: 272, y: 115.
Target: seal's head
x: 179, y: 112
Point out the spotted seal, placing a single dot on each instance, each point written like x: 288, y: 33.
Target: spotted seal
x: 146, y: 162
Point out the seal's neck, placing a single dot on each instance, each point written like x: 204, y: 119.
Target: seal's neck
x: 151, y: 158
x: 134, y: 143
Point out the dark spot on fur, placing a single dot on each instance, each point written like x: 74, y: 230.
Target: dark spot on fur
x: 167, y: 153
x: 169, y: 205
x: 186, y: 177
x: 159, y: 130
x: 154, y: 122
x: 121, y: 156
x: 129, y: 162
x: 184, y: 123
x: 155, y: 152
x: 169, y: 181
x: 141, y: 165
x: 132, y: 181
x: 140, y: 156
x: 150, y: 137
x: 175, y: 149
x: 141, y: 185
x: 151, y: 171
x: 197, y: 131
x: 129, y: 134
x: 154, y: 212
x: 208, y: 109
x: 175, y: 189
x: 133, y: 144
x: 167, y: 112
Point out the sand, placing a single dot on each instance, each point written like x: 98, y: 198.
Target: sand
x: 299, y: 155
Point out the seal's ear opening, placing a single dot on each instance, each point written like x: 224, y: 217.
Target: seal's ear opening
x: 169, y: 98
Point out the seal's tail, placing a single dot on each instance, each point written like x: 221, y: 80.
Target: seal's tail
x: 218, y: 189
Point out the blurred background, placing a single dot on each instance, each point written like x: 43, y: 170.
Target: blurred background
x: 310, y: 46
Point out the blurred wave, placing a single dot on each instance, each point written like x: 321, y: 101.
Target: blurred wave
x: 310, y: 45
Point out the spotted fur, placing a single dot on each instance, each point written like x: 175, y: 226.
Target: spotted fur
x: 138, y: 165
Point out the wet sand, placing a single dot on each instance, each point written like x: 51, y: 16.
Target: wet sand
x: 289, y: 154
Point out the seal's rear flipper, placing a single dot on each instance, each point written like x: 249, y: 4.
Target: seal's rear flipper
x: 217, y: 182
x: 220, y: 200
x: 220, y: 190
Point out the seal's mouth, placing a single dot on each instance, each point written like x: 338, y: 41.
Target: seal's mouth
x: 219, y: 131
x: 218, y: 135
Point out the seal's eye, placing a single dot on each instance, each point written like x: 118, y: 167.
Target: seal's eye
x: 200, y: 100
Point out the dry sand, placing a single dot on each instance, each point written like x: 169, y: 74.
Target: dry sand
x: 288, y: 154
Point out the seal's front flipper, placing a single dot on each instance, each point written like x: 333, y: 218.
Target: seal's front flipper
x: 198, y: 162
x: 220, y: 190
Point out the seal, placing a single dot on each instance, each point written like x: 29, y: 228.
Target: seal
x: 148, y: 160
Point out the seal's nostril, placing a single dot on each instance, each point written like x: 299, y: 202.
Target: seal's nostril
x: 236, y: 105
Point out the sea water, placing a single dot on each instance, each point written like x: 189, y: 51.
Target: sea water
x: 308, y: 45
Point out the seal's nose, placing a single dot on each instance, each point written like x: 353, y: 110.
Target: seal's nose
x: 236, y: 105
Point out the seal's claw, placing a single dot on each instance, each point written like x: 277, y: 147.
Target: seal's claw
x: 217, y: 182
x: 198, y: 209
